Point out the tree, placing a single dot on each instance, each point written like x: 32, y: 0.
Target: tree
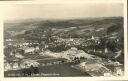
x: 103, y: 43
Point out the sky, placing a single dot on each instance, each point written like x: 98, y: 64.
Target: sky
x: 62, y: 11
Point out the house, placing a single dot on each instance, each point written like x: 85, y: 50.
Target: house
x: 26, y: 63
x: 119, y: 71
x: 29, y: 49
x: 18, y: 55
x: 15, y: 66
x: 107, y: 74
x: 7, y: 66
x: 11, y: 66
x: 8, y: 40
x: 92, y: 37
x: 25, y: 44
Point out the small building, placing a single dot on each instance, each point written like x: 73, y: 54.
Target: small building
x: 29, y: 49
x: 118, y: 71
x: 92, y: 37
x: 27, y: 63
x: 18, y: 55
x: 15, y: 66
x: 107, y: 74
x: 7, y: 66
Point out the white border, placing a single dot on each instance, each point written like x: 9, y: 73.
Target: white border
x: 2, y: 3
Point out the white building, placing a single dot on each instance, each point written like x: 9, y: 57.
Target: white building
x: 118, y: 71
x: 17, y: 55
x: 15, y: 66
x: 29, y: 50
x: 27, y: 63
x: 107, y: 74
x: 7, y: 66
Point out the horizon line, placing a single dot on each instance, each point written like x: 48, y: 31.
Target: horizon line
x: 60, y: 18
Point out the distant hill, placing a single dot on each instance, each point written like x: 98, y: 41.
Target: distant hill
x: 65, y: 28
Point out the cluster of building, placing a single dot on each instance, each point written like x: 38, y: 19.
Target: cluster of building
x: 70, y: 54
x: 24, y: 48
x: 99, y: 69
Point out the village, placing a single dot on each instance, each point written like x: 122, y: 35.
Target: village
x: 72, y: 52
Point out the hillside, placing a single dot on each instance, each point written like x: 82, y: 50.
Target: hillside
x: 66, y: 28
x: 80, y: 30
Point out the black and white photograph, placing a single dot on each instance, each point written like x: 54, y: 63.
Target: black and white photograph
x: 64, y: 40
